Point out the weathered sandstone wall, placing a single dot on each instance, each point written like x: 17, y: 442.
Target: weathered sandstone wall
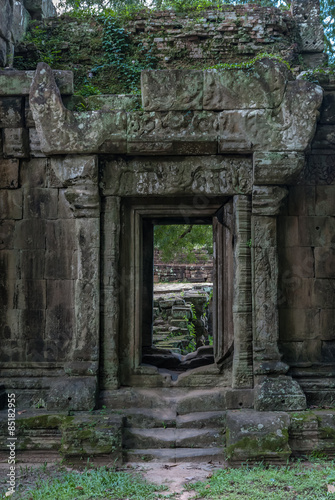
x: 14, y: 21
x: 307, y: 258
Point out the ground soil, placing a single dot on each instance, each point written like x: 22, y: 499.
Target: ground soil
x: 175, y: 476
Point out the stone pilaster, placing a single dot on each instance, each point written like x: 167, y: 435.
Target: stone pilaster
x: 110, y: 282
x: 242, y: 303
x: 274, y: 389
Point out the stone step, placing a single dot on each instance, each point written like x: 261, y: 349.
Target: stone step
x: 171, y: 438
x: 200, y: 420
x: 182, y: 400
x: 143, y: 418
x: 175, y: 455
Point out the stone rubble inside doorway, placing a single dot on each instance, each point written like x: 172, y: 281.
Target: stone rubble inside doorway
x: 182, y: 327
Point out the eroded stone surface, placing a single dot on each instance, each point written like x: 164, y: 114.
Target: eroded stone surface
x: 75, y: 393
x: 63, y: 131
x: 261, y: 86
x: 198, y: 175
x: 178, y: 90
x: 277, y: 168
x: 9, y: 174
x: 289, y: 128
x: 173, y: 132
x: 257, y: 436
x: 279, y: 393
x: 283, y: 122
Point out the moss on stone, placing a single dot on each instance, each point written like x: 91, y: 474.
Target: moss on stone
x: 327, y: 432
x: 43, y: 422
x: 256, y: 446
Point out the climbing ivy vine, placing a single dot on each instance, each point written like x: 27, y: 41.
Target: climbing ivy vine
x: 121, y: 54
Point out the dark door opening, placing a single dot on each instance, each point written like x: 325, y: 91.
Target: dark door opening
x: 190, y: 335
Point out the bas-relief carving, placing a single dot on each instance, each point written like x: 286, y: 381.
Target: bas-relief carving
x: 173, y: 132
x: 210, y: 175
x: 172, y: 90
x: 260, y: 87
x: 242, y: 302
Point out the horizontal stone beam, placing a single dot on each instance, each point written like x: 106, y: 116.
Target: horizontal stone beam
x: 15, y: 82
x: 283, y: 119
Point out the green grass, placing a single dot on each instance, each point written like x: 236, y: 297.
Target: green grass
x: 296, y: 481
x: 92, y: 484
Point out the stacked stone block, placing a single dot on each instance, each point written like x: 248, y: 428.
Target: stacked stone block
x: 49, y: 210
x: 225, y: 35
x: 307, y: 264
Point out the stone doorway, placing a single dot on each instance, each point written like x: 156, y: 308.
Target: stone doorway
x: 175, y: 334
x: 139, y: 216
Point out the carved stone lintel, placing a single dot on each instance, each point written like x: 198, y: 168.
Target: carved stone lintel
x: 173, y: 132
x: 282, y: 119
x: 203, y: 175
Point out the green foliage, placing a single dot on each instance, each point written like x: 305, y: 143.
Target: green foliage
x: 94, y: 6
x: 191, y: 346
x: 100, y: 483
x: 46, y: 46
x: 121, y: 55
x: 180, y: 241
x: 128, y: 7
x: 260, y: 482
x: 249, y: 64
x: 88, y: 89
x: 327, y: 8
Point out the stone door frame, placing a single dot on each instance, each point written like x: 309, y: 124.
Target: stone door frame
x: 126, y: 331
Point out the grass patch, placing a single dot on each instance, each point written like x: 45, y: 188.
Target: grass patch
x: 297, y: 481
x: 101, y: 483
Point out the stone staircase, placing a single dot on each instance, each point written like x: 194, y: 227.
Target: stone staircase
x: 166, y: 436
x: 169, y: 426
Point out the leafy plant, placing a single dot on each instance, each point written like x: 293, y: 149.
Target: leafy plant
x: 86, y: 90
x: 191, y: 346
x: 182, y: 240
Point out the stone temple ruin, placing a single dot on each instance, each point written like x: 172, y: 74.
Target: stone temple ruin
x: 249, y: 151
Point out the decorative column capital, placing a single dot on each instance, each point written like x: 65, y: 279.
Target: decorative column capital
x: 267, y: 200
